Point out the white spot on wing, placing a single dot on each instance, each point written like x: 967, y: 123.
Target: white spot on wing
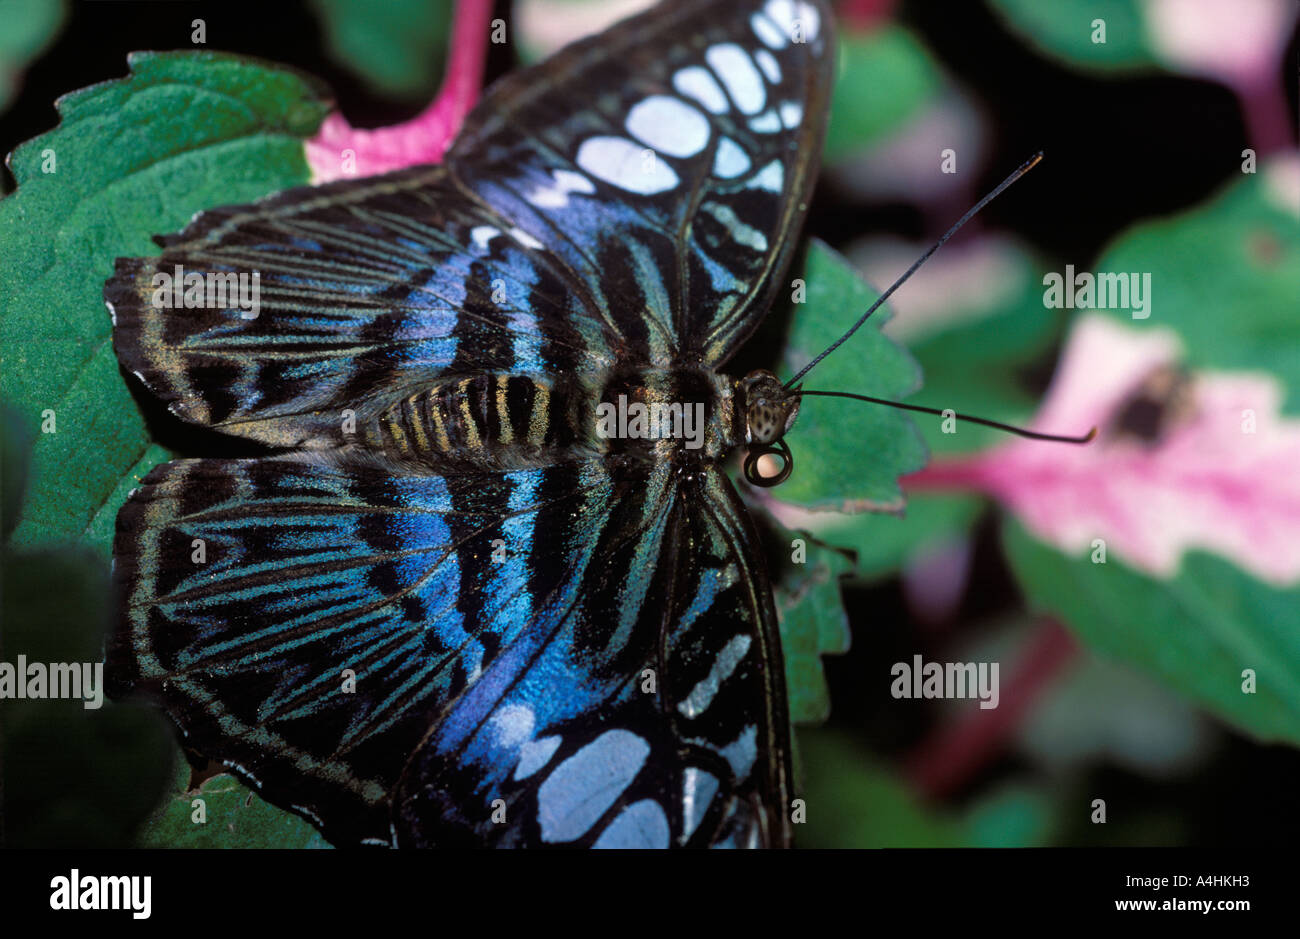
x: 585, y: 785
x: 730, y: 160
x: 698, y: 789
x: 736, y: 69
x: 556, y: 194
x: 668, y: 124
x: 701, y: 696
x: 482, y: 234
x: 535, y: 754
x: 746, y: 235
x: 791, y: 114
x: 620, y: 162
x: 787, y: 13
x: 641, y: 825
x: 767, y: 62
x: 573, y: 182
x: 512, y: 725
x: 525, y: 239
x: 767, y: 31
x: 742, y: 752
x: 697, y: 82
x: 770, y: 177
x: 765, y: 123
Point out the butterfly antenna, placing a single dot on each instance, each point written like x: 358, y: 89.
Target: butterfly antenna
x: 1021, y: 431
x: 1024, y: 168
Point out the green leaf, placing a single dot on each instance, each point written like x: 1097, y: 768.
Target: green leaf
x: 99, y: 533
x: 15, y: 450
x: 855, y: 802
x: 1012, y: 816
x: 233, y: 817
x: 73, y: 776
x: 1102, y: 711
x: 848, y: 455
x: 121, y: 166
x: 975, y: 364
x: 1197, y: 632
x: 1064, y: 29
x: 29, y: 26
x: 883, y: 543
x: 1225, y: 276
x: 884, y: 77
x: 978, y: 366
x: 398, y: 46
x: 118, y: 169
x: 95, y: 448
x: 813, y: 624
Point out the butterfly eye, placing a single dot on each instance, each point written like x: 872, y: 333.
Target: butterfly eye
x: 762, y: 423
x: 769, y: 420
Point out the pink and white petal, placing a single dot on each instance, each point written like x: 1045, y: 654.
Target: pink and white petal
x: 987, y: 273
x: 339, y: 150
x: 1282, y: 182
x: 546, y: 26
x: 1234, y: 41
x: 1225, y: 479
x: 1103, y: 363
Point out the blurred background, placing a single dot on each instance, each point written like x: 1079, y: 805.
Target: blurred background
x: 1103, y: 691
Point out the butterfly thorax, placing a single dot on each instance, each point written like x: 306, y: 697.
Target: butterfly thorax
x: 683, y: 415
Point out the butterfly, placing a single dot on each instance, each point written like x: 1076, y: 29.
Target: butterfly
x: 449, y: 606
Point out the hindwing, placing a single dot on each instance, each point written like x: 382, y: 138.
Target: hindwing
x: 340, y: 618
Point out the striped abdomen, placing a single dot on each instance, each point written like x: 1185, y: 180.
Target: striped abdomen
x: 484, y: 417
x: 511, y: 420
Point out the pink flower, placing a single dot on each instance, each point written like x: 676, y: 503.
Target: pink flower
x: 339, y: 150
x: 1237, y: 41
x: 546, y: 26
x: 1222, y: 474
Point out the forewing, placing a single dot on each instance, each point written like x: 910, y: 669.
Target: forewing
x: 668, y: 161
x: 631, y: 200
x: 381, y: 283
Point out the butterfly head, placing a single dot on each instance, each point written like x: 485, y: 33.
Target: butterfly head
x: 770, y: 410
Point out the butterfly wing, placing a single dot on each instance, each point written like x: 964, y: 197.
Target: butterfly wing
x: 363, y: 286
x: 629, y: 200
x: 531, y: 250
x: 311, y: 622
x: 668, y: 161
x: 306, y: 620
x: 652, y: 715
